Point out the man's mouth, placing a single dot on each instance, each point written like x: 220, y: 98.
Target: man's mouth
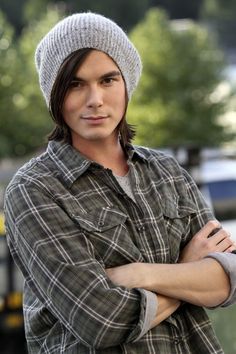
x: 95, y: 118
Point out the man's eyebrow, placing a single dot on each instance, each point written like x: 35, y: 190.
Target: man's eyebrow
x: 104, y: 76
x: 76, y: 78
x: 111, y: 74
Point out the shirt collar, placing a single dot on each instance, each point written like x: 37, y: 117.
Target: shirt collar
x: 135, y: 152
x: 68, y: 161
x: 72, y: 164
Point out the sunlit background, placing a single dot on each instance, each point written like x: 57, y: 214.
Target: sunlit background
x: 185, y: 105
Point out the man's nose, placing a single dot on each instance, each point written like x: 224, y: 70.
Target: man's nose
x: 94, y: 97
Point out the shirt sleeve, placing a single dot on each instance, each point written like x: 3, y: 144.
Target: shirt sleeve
x: 62, y: 269
x: 150, y: 314
x: 204, y: 214
x: 228, y: 262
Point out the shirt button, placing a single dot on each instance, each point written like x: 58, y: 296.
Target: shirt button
x: 100, y: 223
x: 141, y: 228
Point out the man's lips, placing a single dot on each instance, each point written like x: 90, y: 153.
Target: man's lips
x: 94, y: 119
x: 98, y: 117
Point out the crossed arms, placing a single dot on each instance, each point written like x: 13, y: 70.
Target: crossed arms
x: 58, y: 261
x: 195, y: 279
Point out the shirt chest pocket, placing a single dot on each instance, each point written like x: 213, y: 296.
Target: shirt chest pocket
x: 106, y: 228
x: 100, y: 220
x: 177, y: 214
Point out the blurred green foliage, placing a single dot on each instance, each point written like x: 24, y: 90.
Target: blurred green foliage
x: 126, y: 13
x: 173, y: 105
x: 219, y: 9
x: 223, y: 320
x: 24, y: 118
x: 220, y: 17
x: 175, y: 102
x: 8, y: 69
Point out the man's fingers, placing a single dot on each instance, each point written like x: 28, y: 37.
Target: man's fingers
x: 220, y: 235
x: 209, y: 229
x: 224, y: 245
x: 233, y: 248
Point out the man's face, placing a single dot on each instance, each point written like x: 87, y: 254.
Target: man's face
x: 95, y: 102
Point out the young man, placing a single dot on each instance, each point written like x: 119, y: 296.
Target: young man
x: 112, y: 240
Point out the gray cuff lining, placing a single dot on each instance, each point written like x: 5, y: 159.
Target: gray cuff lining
x: 150, y: 313
x: 228, y: 262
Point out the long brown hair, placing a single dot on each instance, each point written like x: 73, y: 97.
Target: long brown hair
x: 68, y: 69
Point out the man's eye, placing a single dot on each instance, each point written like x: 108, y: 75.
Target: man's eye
x: 75, y: 84
x: 108, y: 80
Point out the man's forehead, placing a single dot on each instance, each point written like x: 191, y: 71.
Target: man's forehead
x: 105, y: 75
x: 97, y: 64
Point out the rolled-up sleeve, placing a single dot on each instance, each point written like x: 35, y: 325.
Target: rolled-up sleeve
x: 150, y: 313
x: 228, y: 262
x: 204, y: 214
x: 62, y: 269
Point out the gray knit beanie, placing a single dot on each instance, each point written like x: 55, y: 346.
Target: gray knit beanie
x: 86, y: 30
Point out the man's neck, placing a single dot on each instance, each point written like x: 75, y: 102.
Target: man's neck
x: 108, y: 155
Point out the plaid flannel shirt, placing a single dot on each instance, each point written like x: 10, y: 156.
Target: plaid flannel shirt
x: 67, y: 219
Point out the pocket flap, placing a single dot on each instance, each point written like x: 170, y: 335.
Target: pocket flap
x: 101, y: 219
x: 178, y: 207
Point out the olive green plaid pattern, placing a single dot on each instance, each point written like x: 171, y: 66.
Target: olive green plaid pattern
x: 67, y: 219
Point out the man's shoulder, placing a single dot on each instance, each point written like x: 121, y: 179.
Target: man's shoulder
x: 155, y: 154
x: 32, y: 171
x: 161, y: 161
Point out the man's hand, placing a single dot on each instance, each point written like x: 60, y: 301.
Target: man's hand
x: 132, y: 275
x: 211, y: 238
x: 202, y: 282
